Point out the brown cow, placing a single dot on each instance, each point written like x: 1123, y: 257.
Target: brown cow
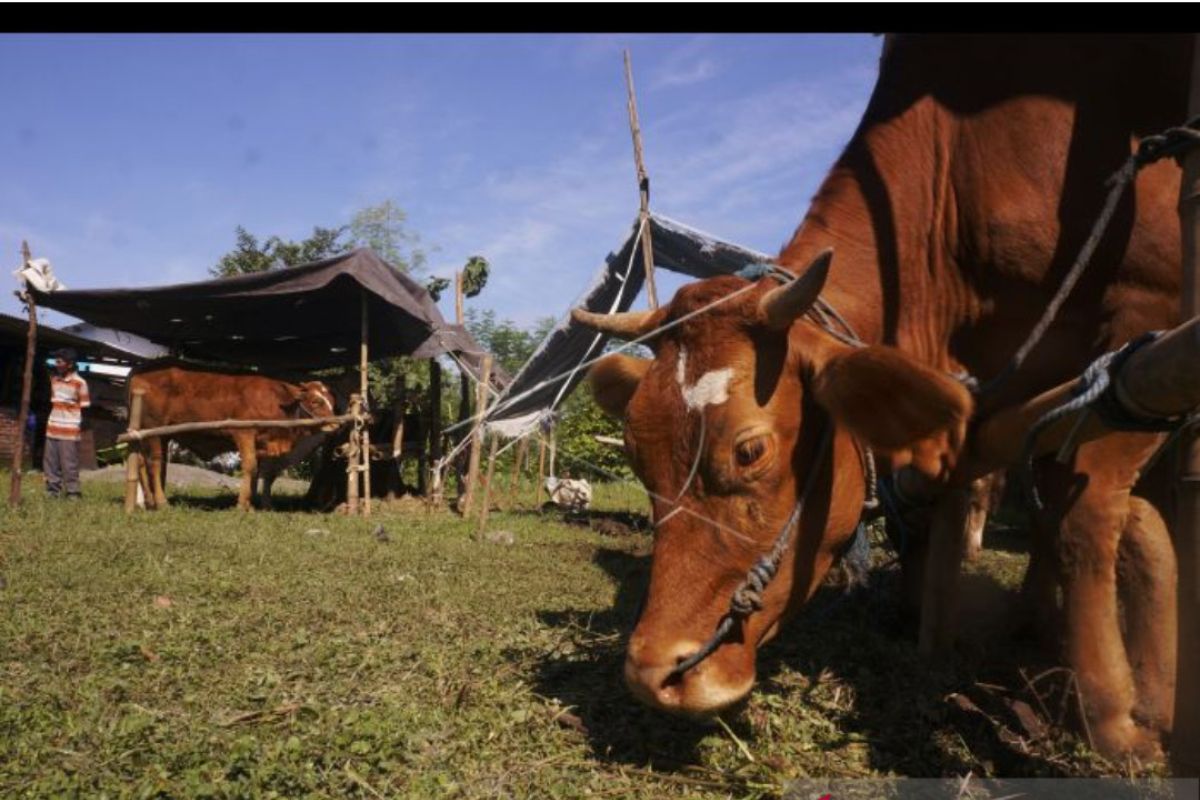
x: 178, y: 393
x: 967, y: 190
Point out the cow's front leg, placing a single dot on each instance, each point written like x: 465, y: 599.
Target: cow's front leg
x: 1088, y: 550
x: 249, y: 454
x: 1147, y: 576
x: 949, y: 530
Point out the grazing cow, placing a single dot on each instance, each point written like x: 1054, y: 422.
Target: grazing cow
x: 178, y: 393
x: 969, y: 186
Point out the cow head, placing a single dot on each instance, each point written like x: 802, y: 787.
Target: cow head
x: 310, y: 399
x: 723, y: 428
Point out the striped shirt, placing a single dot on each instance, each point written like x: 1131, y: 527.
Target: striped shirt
x: 68, y: 398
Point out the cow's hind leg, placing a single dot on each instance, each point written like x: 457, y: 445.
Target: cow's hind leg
x: 155, y: 452
x: 1146, y: 585
x: 249, y: 454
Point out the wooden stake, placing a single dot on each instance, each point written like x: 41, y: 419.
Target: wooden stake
x: 353, y: 463
x: 643, y: 179
x: 133, y: 455
x: 399, y: 405
x: 521, y: 450
x: 437, y: 477
x: 366, y: 431
x: 458, y: 297
x: 18, y: 458
x: 477, y: 434
x: 541, y: 475
x: 487, y: 487
x: 1185, y: 739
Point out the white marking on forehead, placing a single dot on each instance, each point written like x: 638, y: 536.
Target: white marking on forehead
x: 711, y: 390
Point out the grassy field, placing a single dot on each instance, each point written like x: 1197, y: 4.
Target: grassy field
x: 199, y: 652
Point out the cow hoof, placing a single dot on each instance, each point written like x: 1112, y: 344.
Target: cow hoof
x: 1121, y: 738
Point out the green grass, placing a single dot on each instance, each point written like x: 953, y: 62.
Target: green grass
x: 199, y: 652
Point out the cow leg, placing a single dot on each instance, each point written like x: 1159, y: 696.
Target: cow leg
x: 977, y: 516
x: 249, y: 453
x: 154, y: 448
x: 1146, y: 574
x: 948, y: 532
x: 1088, y: 546
x: 268, y: 480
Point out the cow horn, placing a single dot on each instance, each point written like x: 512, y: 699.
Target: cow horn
x: 783, y: 305
x: 627, y: 325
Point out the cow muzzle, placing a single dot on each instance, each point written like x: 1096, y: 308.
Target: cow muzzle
x: 711, y: 686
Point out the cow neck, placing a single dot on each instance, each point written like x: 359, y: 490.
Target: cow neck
x: 891, y: 223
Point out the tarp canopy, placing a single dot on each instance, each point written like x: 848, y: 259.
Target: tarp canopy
x: 13, y: 331
x: 676, y: 247
x: 303, y: 317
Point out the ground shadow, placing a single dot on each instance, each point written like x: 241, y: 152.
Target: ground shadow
x: 919, y: 718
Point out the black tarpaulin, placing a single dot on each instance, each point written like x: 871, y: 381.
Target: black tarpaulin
x: 303, y: 317
x: 676, y: 247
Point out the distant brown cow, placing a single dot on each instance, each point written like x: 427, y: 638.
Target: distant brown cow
x: 178, y: 393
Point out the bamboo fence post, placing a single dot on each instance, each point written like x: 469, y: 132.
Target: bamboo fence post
x: 366, y: 404
x: 399, y: 405
x: 437, y: 474
x: 18, y: 458
x: 515, y: 483
x: 353, y: 461
x: 541, y: 473
x: 464, y: 381
x: 477, y: 434
x: 1185, y: 739
x: 487, y: 487
x: 643, y: 179
x: 133, y: 454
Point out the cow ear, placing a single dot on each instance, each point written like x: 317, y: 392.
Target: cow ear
x: 289, y: 395
x: 896, y: 405
x: 614, y: 379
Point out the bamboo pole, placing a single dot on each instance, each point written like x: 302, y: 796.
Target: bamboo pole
x: 541, y: 473
x: 133, y: 455
x: 1185, y: 739
x: 514, y: 484
x: 487, y: 487
x: 366, y: 400
x: 231, y: 424
x: 353, y: 462
x: 18, y: 457
x: 464, y: 382
x: 437, y: 475
x: 643, y: 179
x: 477, y: 435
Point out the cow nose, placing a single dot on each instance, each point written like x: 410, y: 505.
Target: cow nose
x: 701, y: 691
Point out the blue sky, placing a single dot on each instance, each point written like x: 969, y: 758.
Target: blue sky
x: 128, y: 160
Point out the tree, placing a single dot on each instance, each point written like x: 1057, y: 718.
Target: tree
x: 276, y: 253
x: 383, y: 228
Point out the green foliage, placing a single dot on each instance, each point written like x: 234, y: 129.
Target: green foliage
x: 579, y: 454
x: 475, y: 276
x: 509, y: 345
x: 435, y: 286
x: 249, y: 256
x: 383, y: 228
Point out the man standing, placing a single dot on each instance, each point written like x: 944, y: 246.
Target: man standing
x: 68, y: 398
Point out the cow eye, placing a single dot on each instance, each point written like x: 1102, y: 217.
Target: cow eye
x: 751, y: 451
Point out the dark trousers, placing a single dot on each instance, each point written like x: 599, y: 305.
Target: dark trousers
x: 60, y: 463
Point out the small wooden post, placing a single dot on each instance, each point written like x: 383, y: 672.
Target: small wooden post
x: 643, y: 179
x: 353, y: 462
x: 487, y: 487
x: 366, y: 406
x: 541, y: 475
x: 437, y: 478
x: 464, y: 381
x: 519, y: 456
x: 477, y: 434
x: 18, y: 457
x: 399, y: 406
x: 134, y: 454
x: 1185, y: 739
x: 458, y: 297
